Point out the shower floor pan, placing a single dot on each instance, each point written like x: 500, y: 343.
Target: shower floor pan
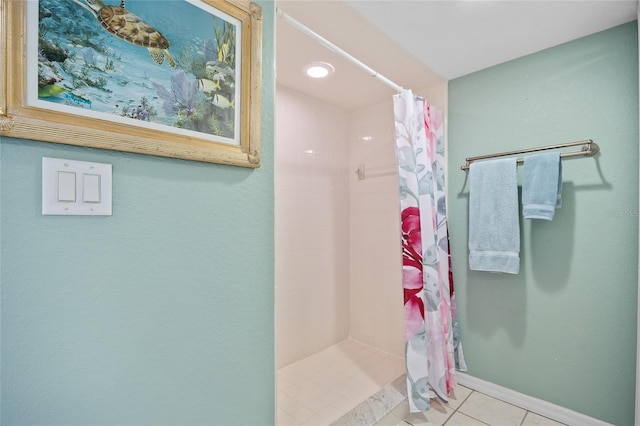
x: 347, y: 384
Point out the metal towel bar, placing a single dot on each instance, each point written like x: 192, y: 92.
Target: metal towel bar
x: 589, y: 148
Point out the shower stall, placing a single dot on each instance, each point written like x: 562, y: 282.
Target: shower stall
x: 339, y: 297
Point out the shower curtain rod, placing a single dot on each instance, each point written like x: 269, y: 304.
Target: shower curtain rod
x: 326, y: 43
x: 589, y: 148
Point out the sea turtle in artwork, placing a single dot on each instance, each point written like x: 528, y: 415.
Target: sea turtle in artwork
x: 129, y: 27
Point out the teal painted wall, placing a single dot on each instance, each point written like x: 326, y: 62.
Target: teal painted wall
x: 160, y: 314
x: 564, y: 329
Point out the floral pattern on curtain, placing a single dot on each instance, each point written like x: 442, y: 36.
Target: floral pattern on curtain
x: 432, y: 339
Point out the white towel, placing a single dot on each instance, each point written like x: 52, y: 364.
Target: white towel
x: 494, y: 226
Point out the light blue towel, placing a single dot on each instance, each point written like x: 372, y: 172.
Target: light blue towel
x: 541, y: 186
x: 494, y: 225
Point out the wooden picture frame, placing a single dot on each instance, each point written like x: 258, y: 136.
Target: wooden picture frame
x: 108, y: 77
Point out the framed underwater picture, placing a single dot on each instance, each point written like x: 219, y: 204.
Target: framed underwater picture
x: 173, y: 78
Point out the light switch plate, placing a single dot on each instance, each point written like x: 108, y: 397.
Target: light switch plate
x: 71, y: 187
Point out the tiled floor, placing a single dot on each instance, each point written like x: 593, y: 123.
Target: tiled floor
x: 466, y: 408
x: 321, y: 388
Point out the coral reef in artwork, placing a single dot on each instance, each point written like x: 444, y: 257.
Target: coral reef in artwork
x: 169, y: 64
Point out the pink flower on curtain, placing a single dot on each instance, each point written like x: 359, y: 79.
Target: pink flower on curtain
x: 433, y: 117
x: 430, y: 132
x: 412, y: 271
x: 420, y: 156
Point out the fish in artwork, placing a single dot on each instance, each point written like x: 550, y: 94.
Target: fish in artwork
x: 222, y: 102
x: 223, y: 52
x: 208, y: 86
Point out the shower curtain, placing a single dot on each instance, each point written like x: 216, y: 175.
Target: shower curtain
x: 432, y: 341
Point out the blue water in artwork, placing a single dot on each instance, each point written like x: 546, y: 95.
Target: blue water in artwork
x: 84, y: 63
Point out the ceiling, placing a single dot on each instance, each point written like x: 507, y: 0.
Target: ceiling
x: 419, y: 43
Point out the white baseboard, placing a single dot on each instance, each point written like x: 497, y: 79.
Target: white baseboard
x: 529, y: 403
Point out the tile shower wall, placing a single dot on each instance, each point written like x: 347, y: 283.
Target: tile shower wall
x: 376, y: 308
x: 312, y: 226
x: 338, y: 264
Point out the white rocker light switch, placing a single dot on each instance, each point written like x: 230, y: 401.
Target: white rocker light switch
x: 71, y: 187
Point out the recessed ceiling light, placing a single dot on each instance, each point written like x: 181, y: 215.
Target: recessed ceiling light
x: 318, y: 69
